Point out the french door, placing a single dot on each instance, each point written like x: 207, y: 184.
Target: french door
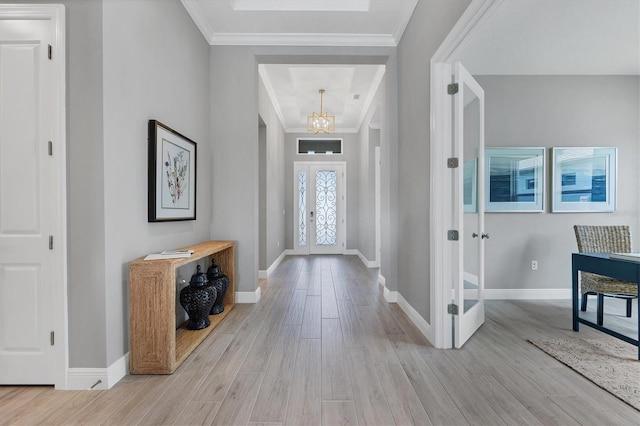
x: 319, y: 206
x: 468, y: 146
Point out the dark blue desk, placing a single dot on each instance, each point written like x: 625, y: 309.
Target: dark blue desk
x: 601, y: 263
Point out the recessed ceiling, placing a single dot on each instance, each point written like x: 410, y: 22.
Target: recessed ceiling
x: 349, y: 91
x: 561, y: 37
x: 301, y: 22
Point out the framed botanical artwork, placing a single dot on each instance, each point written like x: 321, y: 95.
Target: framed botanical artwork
x: 514, y: 179
x: 584, y: 179
x: 470, y: 185
x: 172, y: 175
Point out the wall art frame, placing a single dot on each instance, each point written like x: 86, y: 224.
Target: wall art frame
x: 172, y: 170
x: 583, y: 179
x: 514, y: 179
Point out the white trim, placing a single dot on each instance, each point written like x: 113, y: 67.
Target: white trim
x: 404, y: 21
x: 375, y: 85
x: 300, y: 39
x: 526, y: 293
x: 195, y: 11
x: 416, y: 318
x: 304, y: 130
x: 368, y: 263
x: 268, y: 85
x: 248, y: 296
x: 390, y: 296
x: 442, y: 261
x: 274, y: 265
x: 98, y: 378
x: 297, y: 5
x: 56, y: 14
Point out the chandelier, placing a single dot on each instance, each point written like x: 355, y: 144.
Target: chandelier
x: 323, y: 122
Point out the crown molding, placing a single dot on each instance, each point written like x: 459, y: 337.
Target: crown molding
x: 268, y: 85
x: 298, y: 39
x: 195, y: 11
x: 304, y: 130
x: 403, y: 22
x: 297, y: 5
x: 375, y: 85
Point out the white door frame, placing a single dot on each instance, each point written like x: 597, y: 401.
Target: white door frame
x: 56, y: 14
x: 441, y: 188
x: 342, y: 211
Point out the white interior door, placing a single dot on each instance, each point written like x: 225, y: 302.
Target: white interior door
x: 31, y: 201
x: 468, y: 285
x: 320, y: 202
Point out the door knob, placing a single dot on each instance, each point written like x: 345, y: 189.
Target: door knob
x: 484, y: 236
x: 474, y: 235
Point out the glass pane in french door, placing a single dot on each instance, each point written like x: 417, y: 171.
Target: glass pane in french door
x: 326, y: 207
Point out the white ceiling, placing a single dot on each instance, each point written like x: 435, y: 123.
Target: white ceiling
x: 301, y: 22
x: 521, y: 37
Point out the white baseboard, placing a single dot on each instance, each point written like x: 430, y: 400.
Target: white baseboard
x: 262, y: 274
x: 390, y: 296
x: 248, y: 296
x: 367, y: 263
x: 526, y: 293
x: 274, y: 265
x: 415, y: 317
x: 382, y: 280
x: 98, y: 378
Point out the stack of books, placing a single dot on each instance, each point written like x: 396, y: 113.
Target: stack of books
x: 169, y: 254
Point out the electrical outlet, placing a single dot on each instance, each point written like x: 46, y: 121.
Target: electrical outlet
x: 534, y: 265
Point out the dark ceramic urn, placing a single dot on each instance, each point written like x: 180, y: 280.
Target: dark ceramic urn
x: 197, y: 299
x: 221, y: 284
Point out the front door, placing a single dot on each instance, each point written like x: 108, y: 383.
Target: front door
x: 468, y: 276
x: 320, y: 202
x: 31, y: 196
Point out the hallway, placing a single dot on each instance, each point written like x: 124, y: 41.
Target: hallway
x: 323, y: 347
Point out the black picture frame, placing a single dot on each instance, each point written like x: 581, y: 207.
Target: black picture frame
x: 172, y: 174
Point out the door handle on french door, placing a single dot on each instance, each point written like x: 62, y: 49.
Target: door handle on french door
x: 483, y: 236
x: 310, y: 216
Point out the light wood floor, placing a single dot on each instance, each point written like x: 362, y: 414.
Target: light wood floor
x: 323, y: 347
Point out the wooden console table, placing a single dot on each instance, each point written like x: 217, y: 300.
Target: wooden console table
x: 156, y: 347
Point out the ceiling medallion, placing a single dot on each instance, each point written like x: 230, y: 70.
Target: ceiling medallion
x: 322, y: 122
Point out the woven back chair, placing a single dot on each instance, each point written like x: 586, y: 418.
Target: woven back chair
x: 604, y: 239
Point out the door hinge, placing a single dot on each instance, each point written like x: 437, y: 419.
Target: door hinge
x: 452, y: 163
x: 50, y: 242
x: 50, y: 52
x: 452, y: 235
x: 452, y: 88
x: 53, y: 338
x: 50, y: 148
x: 452, y: 309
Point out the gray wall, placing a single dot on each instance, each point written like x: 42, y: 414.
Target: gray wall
x: 369, y: 139
x: 272, y: 230
x: 150, y: 72
x: 429, y: 25
x: 558, y: 111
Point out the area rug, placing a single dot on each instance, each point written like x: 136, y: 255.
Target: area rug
x: 610, y: 363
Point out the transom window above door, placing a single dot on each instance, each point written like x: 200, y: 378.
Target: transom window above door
x: 319, y: 146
